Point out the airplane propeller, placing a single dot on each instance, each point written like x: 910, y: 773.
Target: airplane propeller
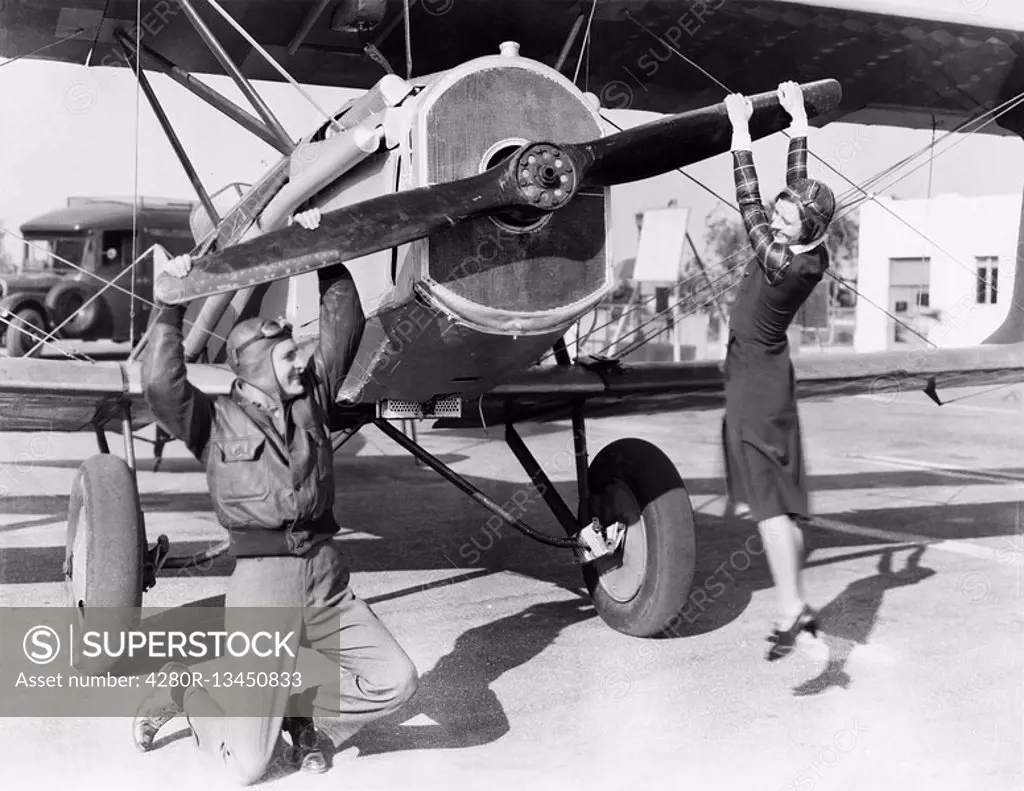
x: 538, y: 177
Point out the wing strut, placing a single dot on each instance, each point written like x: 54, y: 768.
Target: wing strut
x: 213, y: 98
x: 277, y: 66
x: 307, y: 26
x: 165, y: 124
x: 243, y: 84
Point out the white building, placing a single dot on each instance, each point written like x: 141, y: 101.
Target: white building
x: 944, y: 266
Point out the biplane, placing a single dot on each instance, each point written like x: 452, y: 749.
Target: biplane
x: 470, y: 199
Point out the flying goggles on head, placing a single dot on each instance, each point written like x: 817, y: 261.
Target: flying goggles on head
x: 255, y: 331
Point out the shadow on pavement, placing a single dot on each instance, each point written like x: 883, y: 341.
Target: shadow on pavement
x: 456, y: 693
x: 847, y: 620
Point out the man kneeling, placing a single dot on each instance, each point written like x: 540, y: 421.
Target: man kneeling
x: 278, y: 508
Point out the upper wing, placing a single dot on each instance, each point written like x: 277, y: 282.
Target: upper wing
x: 612, y: 388
x: 899, y: 63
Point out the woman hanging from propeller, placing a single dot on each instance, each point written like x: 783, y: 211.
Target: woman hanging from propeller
x: 764, y: 461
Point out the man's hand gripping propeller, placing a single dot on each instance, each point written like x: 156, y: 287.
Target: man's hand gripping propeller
x: 180, y: 266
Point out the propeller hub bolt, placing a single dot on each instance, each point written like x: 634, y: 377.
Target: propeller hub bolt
x: 547, y: 177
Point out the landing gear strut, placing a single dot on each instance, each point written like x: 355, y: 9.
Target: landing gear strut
x: 633, y: 531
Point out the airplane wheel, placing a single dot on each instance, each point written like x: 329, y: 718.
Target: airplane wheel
x: 104, y: 553
x: 643, y: 585
x: 19, y: 343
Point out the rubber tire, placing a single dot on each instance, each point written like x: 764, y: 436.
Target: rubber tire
x: 668, y: 521
x: 18, y: 343
x: 114, y: 542
x: 86, y: 321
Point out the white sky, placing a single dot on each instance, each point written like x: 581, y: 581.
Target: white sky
x: 69, y: 130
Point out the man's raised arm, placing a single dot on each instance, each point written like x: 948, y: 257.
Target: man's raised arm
x: 341, y: 320
x: 184, y: 410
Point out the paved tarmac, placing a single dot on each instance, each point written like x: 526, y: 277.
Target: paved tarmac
x: 916, y: 565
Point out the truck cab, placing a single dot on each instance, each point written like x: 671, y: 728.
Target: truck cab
x: 75, y: 281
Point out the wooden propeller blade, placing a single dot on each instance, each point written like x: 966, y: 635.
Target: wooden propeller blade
x: 539, y: 177
x: 347, y: 233
x: 680, y: 140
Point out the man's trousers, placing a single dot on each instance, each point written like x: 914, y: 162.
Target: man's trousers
x: 376, y: 675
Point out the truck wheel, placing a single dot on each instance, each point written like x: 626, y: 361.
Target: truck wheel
x: 19, y: 343
x: 67, y: 298
x: 103, y: 560
x: 640, y: 588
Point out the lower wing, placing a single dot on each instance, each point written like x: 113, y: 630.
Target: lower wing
x: 612, y: 388
x: 72, y: 396
x: 67, y: 396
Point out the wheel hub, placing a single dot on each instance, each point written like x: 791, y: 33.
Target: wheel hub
x: 622, y: 574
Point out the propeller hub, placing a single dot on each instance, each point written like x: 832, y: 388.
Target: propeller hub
x: 547, y: 177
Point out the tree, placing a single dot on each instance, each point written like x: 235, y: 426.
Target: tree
x: 843, y: 248
x: 727, y: 252
x: 725, y: 256
x: 7, y: 263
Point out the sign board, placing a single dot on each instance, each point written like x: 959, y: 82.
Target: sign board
x: 659, y: 257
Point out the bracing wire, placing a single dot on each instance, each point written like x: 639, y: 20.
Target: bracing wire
x: 135, y: 202
x: 274, y: 64
x: 37, y: 50
x: 129, y: 269
x: 730, y: 271
x: 995, y: 112
x: 855, y: 186
x: 35, y: 333
x: 106, y: 283
x: 585, y: 43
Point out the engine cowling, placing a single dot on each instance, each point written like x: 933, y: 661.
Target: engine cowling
x: 455, y: 312
x: 511, y: 274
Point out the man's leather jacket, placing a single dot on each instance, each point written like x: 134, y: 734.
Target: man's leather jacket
x: 274, y: 493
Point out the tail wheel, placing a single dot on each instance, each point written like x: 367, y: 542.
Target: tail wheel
x: 103, y: 562
x: 19, y: 343
x: 640, y: 588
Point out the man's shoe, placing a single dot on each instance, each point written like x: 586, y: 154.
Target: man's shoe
x: 306, y: 751
x: 159, y: 707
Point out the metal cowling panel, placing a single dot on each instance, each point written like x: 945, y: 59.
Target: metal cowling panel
x: 487, y: 112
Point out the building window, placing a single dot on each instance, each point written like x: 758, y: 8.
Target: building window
x: 987, y: 286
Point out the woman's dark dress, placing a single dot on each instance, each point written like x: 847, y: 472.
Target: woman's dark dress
x: 761, y: 431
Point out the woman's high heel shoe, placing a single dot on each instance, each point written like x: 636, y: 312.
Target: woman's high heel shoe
x: 783, y: 641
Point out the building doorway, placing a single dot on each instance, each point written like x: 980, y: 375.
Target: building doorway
x: 909, y: 280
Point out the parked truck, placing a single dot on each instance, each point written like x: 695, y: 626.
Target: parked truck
x: 72, y: 253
